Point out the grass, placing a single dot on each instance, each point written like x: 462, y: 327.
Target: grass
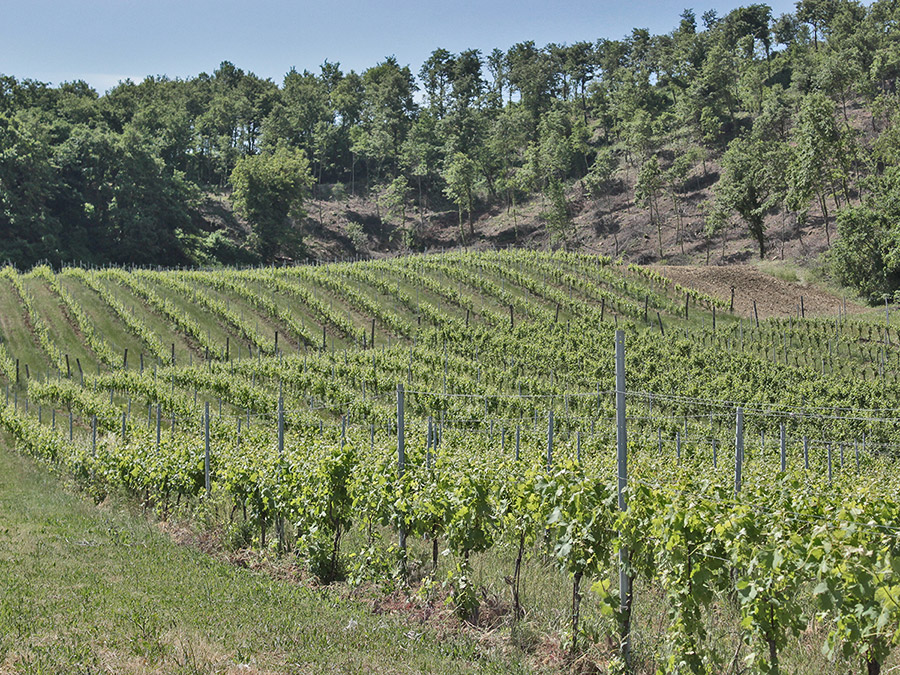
x: 90, y: 589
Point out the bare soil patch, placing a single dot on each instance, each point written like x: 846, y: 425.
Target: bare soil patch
x: 773, y: 296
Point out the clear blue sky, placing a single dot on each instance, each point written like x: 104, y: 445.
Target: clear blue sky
x: 104, y: 41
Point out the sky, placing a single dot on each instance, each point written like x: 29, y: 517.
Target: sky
x: 106, y: 41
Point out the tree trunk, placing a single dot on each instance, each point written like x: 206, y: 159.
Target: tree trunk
x: 517, y: 607
x: 576, y: 605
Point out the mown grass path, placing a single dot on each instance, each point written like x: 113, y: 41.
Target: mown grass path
x: 87, y: 589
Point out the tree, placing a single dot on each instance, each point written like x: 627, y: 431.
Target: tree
x: 816, y: 13
x: 386, y: 115
x: 395, y: 201
x: 459, y: 174
x: 436, y: 74
x: 268, y: 190
x: 646, y: 192
x: 715, y: 220
x: 744, y: 186
x: 867, y: 254
x: 28, y: 230
x: 817, y: 144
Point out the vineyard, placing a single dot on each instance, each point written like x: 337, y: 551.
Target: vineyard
x: 456, y: 426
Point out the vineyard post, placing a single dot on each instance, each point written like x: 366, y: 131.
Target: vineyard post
x: 124, y: 418
x: 738, y: 450
x: 578, y: 446
x: 125, y: 359
x: 783, y: 448
x: 343, y: 431
x: 755, y: 314
x: 659, y: 447
x: 802, y: 308
x: 661, y: 330
x: 828, y: 445
x: 159, y: 425
x: 149, y: 415
x: 71, y: 422
x: 280, y: 426
x: 856, y: 454
x: 77, y: 362
x: 805, y: 452
x: 625, y: 597
x: 94, y: 436
x: 841, y: 448
x: 401, y: 458
x: 714, y: 318
x: 428, y: 443
x: 678, y: 446
x: 518, y: 431
x: 142, y: 363
x: 206, y: 447
x: 686, y: 298
x: 549, y: 438
x: 715, y: 458
x: 731, y: 306
x: 602, y: 308
x: 511, y: 322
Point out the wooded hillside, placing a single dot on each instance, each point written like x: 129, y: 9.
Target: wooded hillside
x: 770, y: 119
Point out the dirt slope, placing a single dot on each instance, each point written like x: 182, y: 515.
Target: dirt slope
x: 773, y: 296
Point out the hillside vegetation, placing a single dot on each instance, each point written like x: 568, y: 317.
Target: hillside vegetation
x: 439, y: 431
x: 782, y: 126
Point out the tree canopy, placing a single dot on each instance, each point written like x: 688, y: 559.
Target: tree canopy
x: 797, y: 114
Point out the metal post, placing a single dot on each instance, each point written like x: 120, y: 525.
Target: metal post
x: 549, y: 439
x: 401, y: 455
x: 738, y: 451
x: 783, y: 449
x: 625, y: 592
x: 206, y: 447
x: 280, y: 426
x: 805, y: 452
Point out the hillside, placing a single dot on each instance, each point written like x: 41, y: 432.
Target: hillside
x: 437, y: 433
x: 725, y: 139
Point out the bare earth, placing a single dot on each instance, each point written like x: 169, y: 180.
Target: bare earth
x: 773, y: 296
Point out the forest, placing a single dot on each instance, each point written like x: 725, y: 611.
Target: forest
x: 798, y: 113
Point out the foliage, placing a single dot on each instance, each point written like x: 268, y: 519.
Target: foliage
x: 268, y: 189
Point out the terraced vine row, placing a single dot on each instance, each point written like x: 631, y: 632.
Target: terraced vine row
x: 508, y: 439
